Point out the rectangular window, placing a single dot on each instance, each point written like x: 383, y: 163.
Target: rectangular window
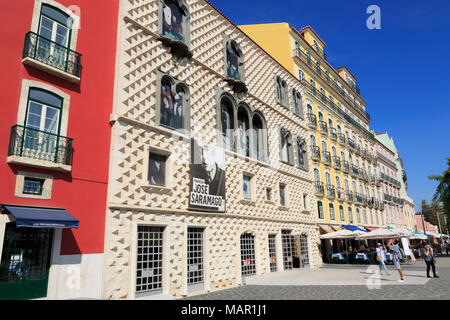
x: 341, y: 213
x: 320, y: 209
x: 268, y: 194
x: 157, y: 169
x: 331, y: 209
x: 246, y: 187
x: 33, y: 186
x: 282, y: 195
x: 305, y: 197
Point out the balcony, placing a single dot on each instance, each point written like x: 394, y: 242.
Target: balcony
x: 323, y: 127
x: 315, y: 153
x: 345, y: 166
x: 354, y: 170
x: 340, y: 194
x: 337, y: 163
x: 349, y: 196
x: 341, y: 139
x: 326, y: 157
x: 51, y: 57
x: 371, y: 202
x: 387, y: 160
x: 333, y: 134
x: 312, y: 121
x: 351, y: 143
x: 331, y: 192
x: 319, y: 189
x: 359, y: 198
x: 31, y: 147
x: 387, y: 197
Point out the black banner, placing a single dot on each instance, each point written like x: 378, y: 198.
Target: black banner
x: 207, y: 189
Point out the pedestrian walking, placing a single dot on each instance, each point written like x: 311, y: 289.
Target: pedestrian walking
x: 447, y: 247
x: 430, y: 260
x: 396, y: 257
x: 381, y: 257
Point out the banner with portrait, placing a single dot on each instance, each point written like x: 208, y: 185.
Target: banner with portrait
x: 207, y: 188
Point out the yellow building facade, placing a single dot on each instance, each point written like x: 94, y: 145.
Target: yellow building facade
x: 341, y: 147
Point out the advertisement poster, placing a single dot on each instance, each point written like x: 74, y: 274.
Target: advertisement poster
x: 207, y: 188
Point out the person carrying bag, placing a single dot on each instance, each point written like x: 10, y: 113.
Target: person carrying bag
x: 430, y: 260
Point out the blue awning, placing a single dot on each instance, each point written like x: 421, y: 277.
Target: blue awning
x: 35, y: 217
x: 353, y: 228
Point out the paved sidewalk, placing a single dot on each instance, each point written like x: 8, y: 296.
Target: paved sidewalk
x: 341, y: 282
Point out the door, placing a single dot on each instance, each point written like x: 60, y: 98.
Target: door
x: 25, y: 263
x: 248, y: 263
x: 54, y: 39
x: 272, y: 253
x: 288, y: 245
x: 195, y: 259
x: 304, y: 257
x: 149, y: 267
x: 42, y: 125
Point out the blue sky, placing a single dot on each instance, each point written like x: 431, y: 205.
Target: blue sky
x: 402, y: 70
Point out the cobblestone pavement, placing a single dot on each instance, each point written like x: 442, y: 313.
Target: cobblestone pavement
x: 435, y: 289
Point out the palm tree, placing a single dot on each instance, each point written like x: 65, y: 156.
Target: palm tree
x: 442, y: 193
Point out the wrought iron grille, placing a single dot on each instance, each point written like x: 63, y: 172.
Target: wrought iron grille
x: 40, y: 145
x: 288, y: 244
x: 149, y: 260
x: 272, y: 253
x: 248, y: 265
x: 52, y: 54
x: 195, y: 257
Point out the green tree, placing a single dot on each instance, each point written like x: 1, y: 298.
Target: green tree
x: 430, y: 214
x: 442, y: 194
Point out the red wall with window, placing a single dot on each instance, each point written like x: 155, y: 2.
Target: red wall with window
x: 83, y: 190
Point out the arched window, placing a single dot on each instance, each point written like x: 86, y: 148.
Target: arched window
x: 331, y: 209
x: 297, y: 99
x: 301, y: 153
x: 320, y: 116
x: 350, y: 214
x: 346, y: 186
x: 333, y: 149
x: 54, y: 27
x: 316, y: 175
x: 243, y: 132
x: 330, y: 123
x: 342, y: 155
x: 260, y: 137
x: 339, y: 129
x: 313, y: 140
x: 310, y: 109
x: 286, y: 146
x: 320, y: 209
x: 301, y: 75
x: 313, y: 85
x: 227, y: 121
x: 324, y: 146
x: 350, y: 158
x: 282, y: 92
x: 174, y: 108
x: 341, y: 213
x: 328, y: 179
x: 358, y: 216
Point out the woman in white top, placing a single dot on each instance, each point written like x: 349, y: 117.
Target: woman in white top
x: 381, y: 257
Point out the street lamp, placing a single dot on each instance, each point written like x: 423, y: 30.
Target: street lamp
x: 439, y: 223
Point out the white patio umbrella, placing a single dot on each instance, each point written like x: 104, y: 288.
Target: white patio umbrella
x: 342, y: 234
x: 381, y: 234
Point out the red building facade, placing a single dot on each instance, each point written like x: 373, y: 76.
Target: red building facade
x: 58, y: 64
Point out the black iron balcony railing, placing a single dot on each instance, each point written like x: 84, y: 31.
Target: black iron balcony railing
x: 386, y: 159
x: 326, y: 157
x: 355, y: 170
x: 341, y: 138
x: 345, y: 166
x: 312, y: 120
x: 319, y: 189
x: 349, y: 196
x: 313, y: 90
x: 315, y: 152
x: 331, y: 192
x: 333, y: 133
x: 337, y: 162
x: 340, y: 194
x: 351, y: 143
x: 40, y: 145
x: 359, y: 198
x: 387, y: 197
x: 323, y: 127
x: 398, y: 201
x: 347, y: 98
x: 52, y: 54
